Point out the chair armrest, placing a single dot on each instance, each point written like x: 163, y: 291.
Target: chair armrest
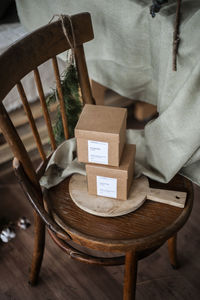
x: 36, y: 198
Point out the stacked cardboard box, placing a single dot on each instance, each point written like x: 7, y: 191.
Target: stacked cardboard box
x: 101, y: 135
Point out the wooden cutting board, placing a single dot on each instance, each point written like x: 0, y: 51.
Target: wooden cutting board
x: 109, y: 207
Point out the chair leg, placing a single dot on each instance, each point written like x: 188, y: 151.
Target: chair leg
x: 39, y: 243
x: 172, y: 249
x: 130, y: 275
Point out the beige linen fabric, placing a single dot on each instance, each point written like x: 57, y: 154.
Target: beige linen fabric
x: 62, y: 164
x: 132, y: 54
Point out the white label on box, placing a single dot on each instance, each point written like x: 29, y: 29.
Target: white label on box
x: 107, y: 187
x: 98, y: 152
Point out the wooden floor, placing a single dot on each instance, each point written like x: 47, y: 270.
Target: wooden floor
x: 63, y: 278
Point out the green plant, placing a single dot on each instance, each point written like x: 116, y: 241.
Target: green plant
x: 73, y: 105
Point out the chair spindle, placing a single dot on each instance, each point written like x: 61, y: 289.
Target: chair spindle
x: 44, y: 108
x: 60, y: 96
x: 31, y: 120
x: 17, y: 146
x: 83, y: 78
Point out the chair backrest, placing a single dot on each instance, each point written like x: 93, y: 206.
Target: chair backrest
x: 25, y: 56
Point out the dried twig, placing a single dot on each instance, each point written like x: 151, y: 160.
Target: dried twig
x: 176, y: 38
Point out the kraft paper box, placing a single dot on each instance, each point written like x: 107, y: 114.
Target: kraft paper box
x: 100, y: 134
x: 113, y: 182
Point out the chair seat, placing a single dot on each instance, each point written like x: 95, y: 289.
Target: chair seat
x: 149, y: 226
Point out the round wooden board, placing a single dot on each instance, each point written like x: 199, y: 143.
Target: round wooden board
x: 103, y: 206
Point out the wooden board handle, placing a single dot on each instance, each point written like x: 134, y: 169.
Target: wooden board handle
x: 168, y: 197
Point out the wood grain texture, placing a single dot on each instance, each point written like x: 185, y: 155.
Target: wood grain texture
x: 17, y: 146
x: 98, y: 92
x: 84, y: 257
x: 38, y: 249
x: 43, y: 44
x: 31, y: 51
x: 61, y: 276
x: 110, y: 207
x: 172, y: 249
x: 130, y: 276
x: 28, y: 141
x: 19, y: 117
x: 31, y: 120
x: 102, y: 206
x: 60, y: 97
x: 174, y: 198
x: 152, y: 224
x: 143, y: 231
x: 50, y: 40
x: 83, y: 75
x: 44, y: 108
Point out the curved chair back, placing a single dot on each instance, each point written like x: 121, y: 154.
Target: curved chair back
x: 24, y: 57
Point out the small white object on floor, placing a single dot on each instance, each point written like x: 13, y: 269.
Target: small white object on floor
x: 23, y: 223
x: 7, y: 234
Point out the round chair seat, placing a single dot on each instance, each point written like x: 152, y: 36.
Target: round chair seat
x: 147, y: 227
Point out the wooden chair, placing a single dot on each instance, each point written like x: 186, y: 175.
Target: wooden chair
x: 136, y: 234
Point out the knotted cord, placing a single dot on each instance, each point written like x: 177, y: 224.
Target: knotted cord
x: 63, y: 19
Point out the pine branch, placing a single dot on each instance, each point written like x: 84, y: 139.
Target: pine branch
x: 73, y: 105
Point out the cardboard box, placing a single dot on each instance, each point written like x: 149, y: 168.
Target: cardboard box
x: 113, y: 182
x: 100, y: 134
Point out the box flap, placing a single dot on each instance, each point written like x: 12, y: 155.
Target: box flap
x: 97, y: 136
x: 97, y: 122
x: 105, y: 171
x: 115, y: 172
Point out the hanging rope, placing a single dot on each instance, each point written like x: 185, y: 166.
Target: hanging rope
x: 69, y: 86
x: 65, y: 20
